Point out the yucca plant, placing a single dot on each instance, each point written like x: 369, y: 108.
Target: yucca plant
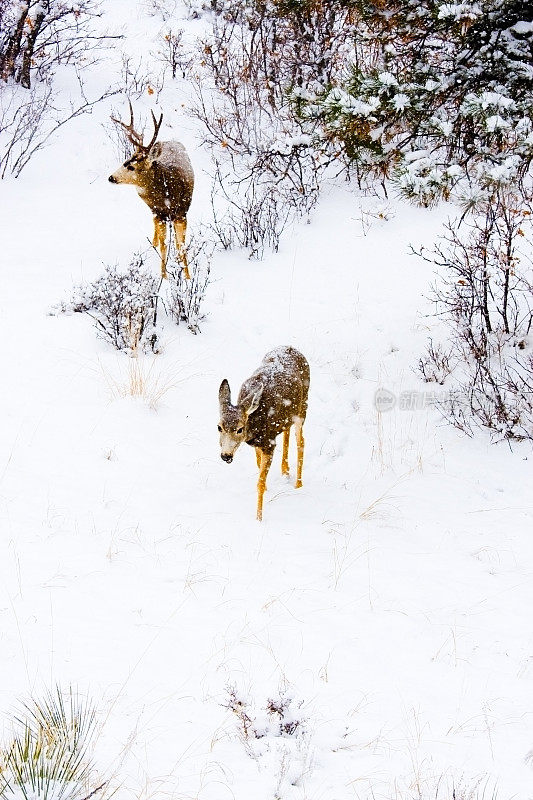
x: 49, y: 756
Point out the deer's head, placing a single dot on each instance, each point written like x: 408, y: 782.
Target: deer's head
x: 136, y: 170
x: 232, y: 426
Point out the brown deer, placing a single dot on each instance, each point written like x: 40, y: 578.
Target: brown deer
x: 270, y: 401
x: 164, y: 178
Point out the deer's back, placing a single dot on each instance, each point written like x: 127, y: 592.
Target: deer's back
x: 284, y: 375
x: 170, y: 191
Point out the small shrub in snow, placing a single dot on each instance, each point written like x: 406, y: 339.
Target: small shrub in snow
x: 253, y: 219
x: 185, y: 297
x: 173, y: 53
x: 140, y: 378
x: 49, y: 756
x: 287, y: 718
x: 485, y: 296
x: 282, y: 718
x: 276, y: 737
x: 123, y: 306
x: 436, y: 364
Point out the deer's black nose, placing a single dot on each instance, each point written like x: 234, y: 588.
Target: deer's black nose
x: 227, y: 457
x: 111, y: 179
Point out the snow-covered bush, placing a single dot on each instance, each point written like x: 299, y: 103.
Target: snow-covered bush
x: 485, y: 295
x: 184, y: 297
x: 122, y: 304
x: 281, y: 715
x: 439, y: 97
x: 49, y: 755
x: 266, y: 167
x: 276, y: 736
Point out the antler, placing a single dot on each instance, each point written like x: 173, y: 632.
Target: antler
x: 157, y: 125
x: 135, y: 138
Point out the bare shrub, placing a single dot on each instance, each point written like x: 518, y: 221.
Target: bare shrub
x: 485, y: 295
x: 184, y: 297
x: 283, y: 717
x: 265, y: 170
x: 239, y: 707
x: 277, y: 736
x: 282, y: 711
x: 123, y: 306
x: 35, y: 39
x: 267, y: 165
x: 30, y: 117
x: 253, y: 219
x: 173, y: 53
x: 436, y: 364
x: 137, y: 79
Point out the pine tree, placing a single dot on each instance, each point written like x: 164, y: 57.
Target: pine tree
x: 440, y: 96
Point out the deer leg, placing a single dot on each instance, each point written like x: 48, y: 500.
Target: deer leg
x: 266, y: 461
x: 298, y: 426
x: 258, y: 459
x: 285, y: 457
x: 160, y: 243
x: 180, y: 229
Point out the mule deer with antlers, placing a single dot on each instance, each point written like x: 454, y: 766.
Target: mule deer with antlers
x: 270, y: 401
x: 163, y: 176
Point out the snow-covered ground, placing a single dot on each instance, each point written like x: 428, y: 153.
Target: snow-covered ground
x: 390, y: 598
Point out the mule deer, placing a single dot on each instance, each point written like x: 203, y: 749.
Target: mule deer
x: 164, y: 178
x: 270, y: 401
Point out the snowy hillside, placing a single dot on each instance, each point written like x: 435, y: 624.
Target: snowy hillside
x: 384, y: 609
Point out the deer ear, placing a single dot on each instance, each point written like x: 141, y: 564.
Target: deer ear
x: 156, y: 151
x: 154, y: 154
x: 251, y: 403
x: 224, y: 394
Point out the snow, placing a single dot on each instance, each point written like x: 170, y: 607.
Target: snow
x: 387, y: 79
x: 56, y: 790
x: 523, y: 28
x: 400, y: 101
x: 460, y: 11
x: 389, y: 599
x: 496, y: 123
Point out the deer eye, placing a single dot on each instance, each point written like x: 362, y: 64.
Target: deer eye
x: 239, y: 430
x: 219, y: 428
x: 130, y: 167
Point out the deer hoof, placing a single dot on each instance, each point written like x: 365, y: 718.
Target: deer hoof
x: 298, y: 485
